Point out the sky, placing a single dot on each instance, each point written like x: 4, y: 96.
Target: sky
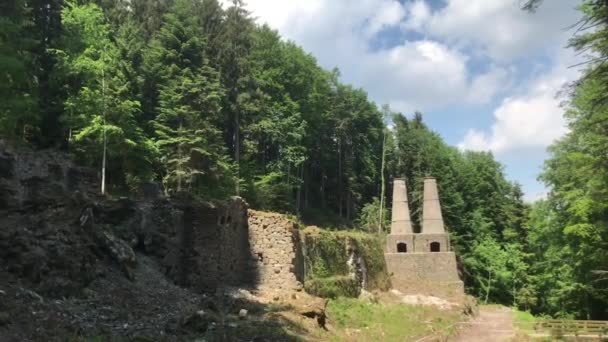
x: 485, y: 74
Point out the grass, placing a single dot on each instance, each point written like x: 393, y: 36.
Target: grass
x: 523, y: 320
x: 524, y: 327
x: 357, y: 320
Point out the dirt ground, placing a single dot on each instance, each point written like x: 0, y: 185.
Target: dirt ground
x: 494, y: 323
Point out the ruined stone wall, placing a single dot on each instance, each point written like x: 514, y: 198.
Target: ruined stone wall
x: 276, y: 252
x: 201, y: 245
x: 222, y: 245
x: 54, y: 221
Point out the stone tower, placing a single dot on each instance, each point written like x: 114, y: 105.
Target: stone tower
x: 421, y: 263
x: 401, y: 238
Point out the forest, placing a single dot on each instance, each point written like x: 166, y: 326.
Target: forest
x: 203, y: 99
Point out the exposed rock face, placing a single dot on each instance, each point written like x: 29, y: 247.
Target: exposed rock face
x: 276, y: 252
x: 55, y: 259
x: 59, y: 235
x: 356, y: 265
x: 39, y: 240
x: 36, y: 180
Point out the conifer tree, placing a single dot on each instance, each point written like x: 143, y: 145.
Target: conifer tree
x: 189, y: 96
x: 16, y: 80
x: 236, y: 78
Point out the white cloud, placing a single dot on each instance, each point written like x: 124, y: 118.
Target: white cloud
x: 485, y: 86
x: 498, y: 28
x: 388, y: 14
x: 418, y: 14
x: 535, y: 120
x: 532, y: 119
x: 425, y: 74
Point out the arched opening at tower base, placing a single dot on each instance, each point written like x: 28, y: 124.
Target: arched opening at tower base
x: 401, y: 247
x: 435, y: 247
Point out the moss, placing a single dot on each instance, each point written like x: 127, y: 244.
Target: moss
x: 332, y: 287
x: 326, y: 256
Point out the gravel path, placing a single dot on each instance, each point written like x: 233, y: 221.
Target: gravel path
x: 494, y: 323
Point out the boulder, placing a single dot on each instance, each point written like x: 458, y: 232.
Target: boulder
x: 121, y: 252
x: 242, y: 314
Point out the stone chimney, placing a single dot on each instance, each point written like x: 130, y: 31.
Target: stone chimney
x: 432, y: 221
x: 400, y: 220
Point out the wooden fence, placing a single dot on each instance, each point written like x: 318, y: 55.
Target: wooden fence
x: 572, y: 328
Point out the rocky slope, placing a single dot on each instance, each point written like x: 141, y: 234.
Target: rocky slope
x: 74, y: 264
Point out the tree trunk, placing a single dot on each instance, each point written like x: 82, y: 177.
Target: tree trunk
x: 380, y: 218
x: 103, y: 108
x: 489, y: 285
x: 237, y: 147
x: 340, y: 194
x: 349, y: 205
x: 299, y: 191
x: 306, y: 187
x: 179, y: 163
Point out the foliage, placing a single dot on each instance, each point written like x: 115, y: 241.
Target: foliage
x: 192, y: 95
x: 189, y: 96
x: 332, y: 287
x: 326, y: 260
x: 99, y: 106
x: 204, y: 100
x: 569, y: 230
x: 17, y: 113
x: 571, y: 225
x: 369, y: 216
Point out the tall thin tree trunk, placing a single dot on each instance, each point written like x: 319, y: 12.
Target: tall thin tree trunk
x: 489, y: 286
x: 299, y: 192
x: 237, y: 149
x: 349, y: 205
x: 305, y: 175
x: 382, y: 184
x: 237, y: 118
x: 323, y: 178
x: 103, y: 106
x: 340, y: 198
x: 179, y: 163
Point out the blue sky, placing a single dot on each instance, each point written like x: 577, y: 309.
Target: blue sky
x: 484, y: 73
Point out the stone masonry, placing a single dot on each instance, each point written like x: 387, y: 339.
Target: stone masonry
x: 421, y: 263
x: 276, y: 252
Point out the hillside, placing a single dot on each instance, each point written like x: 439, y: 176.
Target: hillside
x: 77, y: 266
x: 160, y: 139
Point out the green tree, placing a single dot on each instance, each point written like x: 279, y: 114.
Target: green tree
x: 100, y: 113
x: 17, y: 84
x: 192, y: 155
x: 236, y: 77
x: 368, y: 216
x: 47, y: 30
